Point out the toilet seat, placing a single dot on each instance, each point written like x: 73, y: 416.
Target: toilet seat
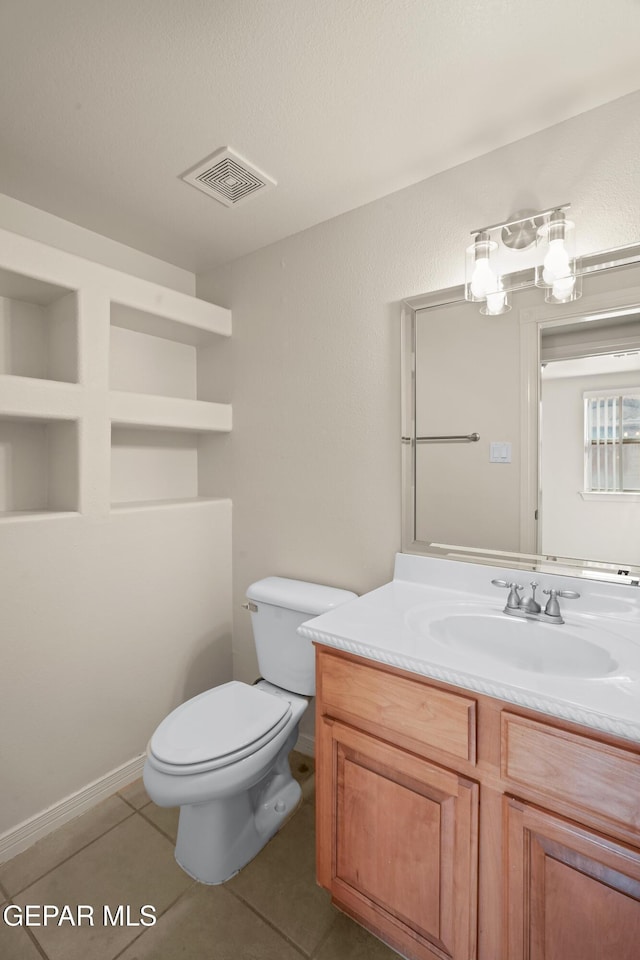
x: 217, y: 728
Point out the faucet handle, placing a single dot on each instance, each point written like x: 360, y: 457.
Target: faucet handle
x: 552, y: 608
x: 567, y: 594
x: 513, y: 600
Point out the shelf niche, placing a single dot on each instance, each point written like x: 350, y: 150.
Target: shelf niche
x: 155, y: 355
x: 38, y: 329
x: 38, y: 466
x: 168, y: 380
x: 153, y: 465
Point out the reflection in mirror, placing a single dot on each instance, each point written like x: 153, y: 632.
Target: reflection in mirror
x: 590, y: 440
x: 467, y: 371
x: 553, y: 393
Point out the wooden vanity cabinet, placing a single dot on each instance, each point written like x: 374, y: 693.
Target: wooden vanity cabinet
x: 397, y: 835
x: 572, y: 886
x: 455, y: 826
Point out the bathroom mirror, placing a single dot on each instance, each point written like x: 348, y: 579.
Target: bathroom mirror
x: 521, y: 432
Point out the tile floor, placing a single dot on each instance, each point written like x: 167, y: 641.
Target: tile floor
x: 121, y: 852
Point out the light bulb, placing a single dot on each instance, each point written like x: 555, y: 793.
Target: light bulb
x: 483, y: 281
x: 562, y: 289
x: 496, y: 303
x: 556, y: 262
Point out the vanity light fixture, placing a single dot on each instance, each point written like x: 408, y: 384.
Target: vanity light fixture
x: 530, y: 248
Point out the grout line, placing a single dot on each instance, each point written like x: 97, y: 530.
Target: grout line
x: 35, y: 943
x: 32, y: 936
x: 128, y: 802
x: 59, y: 863
x: 321, y: 942
x: 159, y: 916
x: 156, y: 827
x: 269, y: 923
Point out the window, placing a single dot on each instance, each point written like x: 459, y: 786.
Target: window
x: 612, y: 441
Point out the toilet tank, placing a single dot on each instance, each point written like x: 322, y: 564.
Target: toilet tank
x: 285, y: 658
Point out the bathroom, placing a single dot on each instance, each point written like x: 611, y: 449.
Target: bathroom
x: 95, y: 614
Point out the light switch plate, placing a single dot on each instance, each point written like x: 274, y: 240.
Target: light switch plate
x: 499, y: 451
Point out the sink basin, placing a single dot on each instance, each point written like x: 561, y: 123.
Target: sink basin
x: 528, y: 645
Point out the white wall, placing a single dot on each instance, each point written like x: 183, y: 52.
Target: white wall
x: 316, y: 346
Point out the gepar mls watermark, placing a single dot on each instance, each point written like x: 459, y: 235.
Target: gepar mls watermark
x: 78, y: 915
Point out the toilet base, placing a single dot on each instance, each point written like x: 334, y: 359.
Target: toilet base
x: 218, y: 838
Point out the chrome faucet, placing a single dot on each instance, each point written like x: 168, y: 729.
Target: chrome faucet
x: 528, y: 607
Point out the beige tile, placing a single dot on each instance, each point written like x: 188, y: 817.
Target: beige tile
x: 207, y: 923
x: 131, y: 865
x: 49, y: 852
x: 280, y: 883
x: 135, y: 794
x: 15, y: 943
x: 349, y: 941
x: 164, y: 818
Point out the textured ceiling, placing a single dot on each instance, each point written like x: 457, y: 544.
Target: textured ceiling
x: 103, y: 105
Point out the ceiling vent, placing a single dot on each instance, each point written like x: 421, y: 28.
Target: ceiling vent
x: 228, y: 178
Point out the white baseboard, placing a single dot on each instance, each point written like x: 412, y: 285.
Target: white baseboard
x: 25, y: 834
x: 306, y: 744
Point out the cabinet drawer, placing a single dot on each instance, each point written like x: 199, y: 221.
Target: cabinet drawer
x: 592, y: 776
x: 411, y: 712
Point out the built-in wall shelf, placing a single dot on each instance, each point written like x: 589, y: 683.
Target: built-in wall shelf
x: 183, y: 320
x: 106, y: 387
x: 43, y: 399
x: 170, y: 413
x: 136, y: 505
x: 27, y: 515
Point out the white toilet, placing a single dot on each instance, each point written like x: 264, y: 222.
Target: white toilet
x: 222, y: 757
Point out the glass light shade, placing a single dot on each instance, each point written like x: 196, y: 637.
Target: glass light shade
x: 496, y: 303
x: 557, y: 256
x: 480, y: 277
x: 566, y: 288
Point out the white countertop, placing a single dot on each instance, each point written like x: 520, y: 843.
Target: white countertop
x: 391, y: 625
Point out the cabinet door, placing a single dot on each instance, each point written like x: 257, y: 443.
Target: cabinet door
x: 572, y: 894
x: 397, y: 843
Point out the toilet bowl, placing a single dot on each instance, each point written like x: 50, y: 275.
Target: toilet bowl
x: 230, y: 805
x: 222, y: 757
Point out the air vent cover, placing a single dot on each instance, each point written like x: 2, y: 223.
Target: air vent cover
x: 228, y: 178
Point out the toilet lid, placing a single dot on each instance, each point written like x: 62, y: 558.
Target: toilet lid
x: 221, y: 721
